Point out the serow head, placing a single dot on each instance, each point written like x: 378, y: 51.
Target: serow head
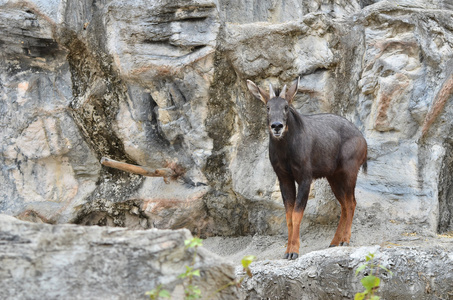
x: 278, y: 107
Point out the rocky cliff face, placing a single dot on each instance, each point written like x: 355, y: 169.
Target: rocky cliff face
x: 161, y: 83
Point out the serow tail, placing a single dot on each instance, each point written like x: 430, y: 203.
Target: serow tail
x: 365, y: 167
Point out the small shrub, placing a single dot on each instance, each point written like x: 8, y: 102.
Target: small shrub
x: 370, y: 282
x: 157, y: 293
x: 192, y: 291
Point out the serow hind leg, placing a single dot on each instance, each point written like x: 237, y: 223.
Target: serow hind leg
x: 338, y: 190
x: 350, y: 207
x: 344, y: 195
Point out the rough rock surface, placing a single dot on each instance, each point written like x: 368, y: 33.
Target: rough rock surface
x: 90, y: 262
x: 162, y: 83
x: 41, y: 261
x: 417, y: 273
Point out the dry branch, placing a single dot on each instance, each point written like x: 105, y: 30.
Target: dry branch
x: 145, y: 171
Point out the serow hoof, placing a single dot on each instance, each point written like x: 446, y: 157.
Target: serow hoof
x: 286, y: 256
x: 293, y: 256
x: 332, y: 245
x: 344, y: 244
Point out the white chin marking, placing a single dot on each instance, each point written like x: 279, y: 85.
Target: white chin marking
x: 277, y: 135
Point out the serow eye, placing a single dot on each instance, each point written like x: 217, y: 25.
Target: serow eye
x: 268, y: 108
x: 286, y: 107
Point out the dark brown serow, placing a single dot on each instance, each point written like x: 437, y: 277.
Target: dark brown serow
x: 307, y: 147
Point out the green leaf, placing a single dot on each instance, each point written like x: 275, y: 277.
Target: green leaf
x: 186, y: 273
x: 360, y: 269
x: 151, y: 294
x: 375, y: 297
x: 370, y: 256
x: 193, y: 292
x: 196, y: 290
x: 164, y: 294
x: 189, y: 272
x: 158, y: 292
x: 370, y: 282
x: 247, y: 260
x: 359, y: 296
x: 193, y: 242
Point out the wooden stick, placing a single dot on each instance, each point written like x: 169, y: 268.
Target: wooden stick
x: 145, y: 171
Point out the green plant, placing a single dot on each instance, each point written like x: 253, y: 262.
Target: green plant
x: 246, y: 261
x: 157, y: 293
x: 370, y: 281
x: 193, y: 243
x: 192, y: 291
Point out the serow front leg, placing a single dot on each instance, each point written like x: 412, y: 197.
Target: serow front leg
x: 297, y: 215
x: 288, y: 190
x: 289, y: 224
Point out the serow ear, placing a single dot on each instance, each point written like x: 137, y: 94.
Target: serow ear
x: 292, y: 91
x: 257, y: 92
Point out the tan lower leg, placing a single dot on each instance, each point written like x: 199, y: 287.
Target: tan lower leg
x: 348, y: 224
x: 339, y: 234
x: 297, y: 219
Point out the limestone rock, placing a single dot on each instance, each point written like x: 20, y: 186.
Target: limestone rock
x: 150, y: 39
x: 418, y: 273
x: 69, y: 261
x: 162, y: 83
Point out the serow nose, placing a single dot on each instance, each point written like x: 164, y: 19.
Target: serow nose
x: 277, y: 126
